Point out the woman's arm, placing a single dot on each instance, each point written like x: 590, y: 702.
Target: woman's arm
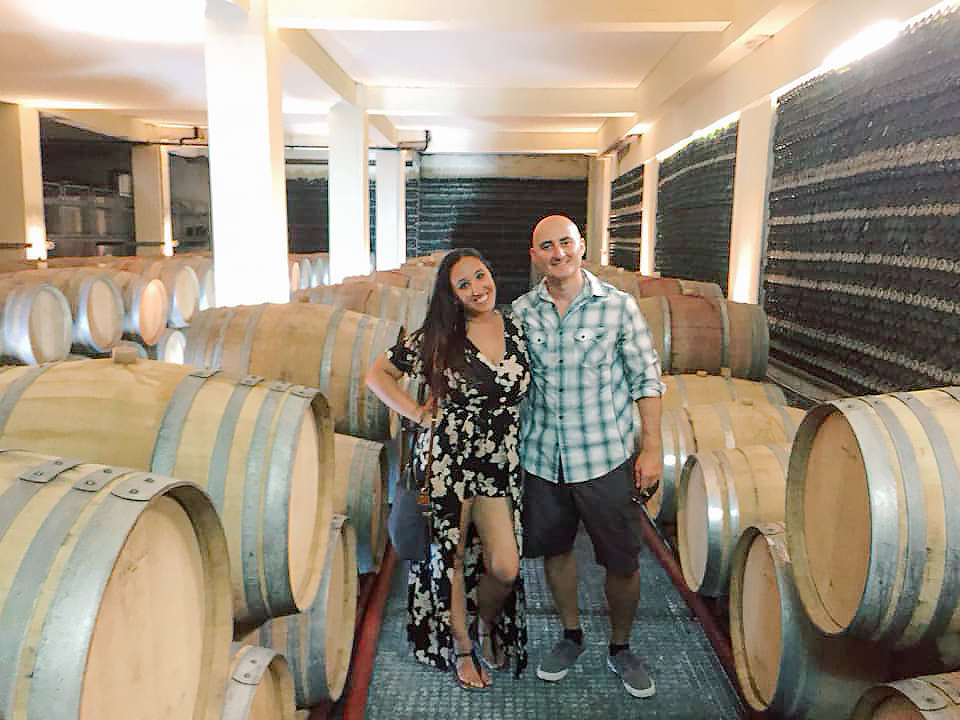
x: 384, y: 380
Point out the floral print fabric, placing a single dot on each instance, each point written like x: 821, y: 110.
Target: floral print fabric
x: 476, y: 452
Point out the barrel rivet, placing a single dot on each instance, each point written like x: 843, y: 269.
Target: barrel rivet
x: 107, y: 471
x: 134, y: 491
x: 148, y: 479
x: 90, y: 482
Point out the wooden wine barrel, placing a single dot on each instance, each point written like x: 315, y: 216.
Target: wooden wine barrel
x: 115, y: 593
x: 319, y: 269
x: 170, y: 347
x: 928, y: 697
x: 203, y: 267
x: 263, y: 451
x: 145, y: 302
x: 710, y: 427
x: 420, y: 276
x: 403, y: 305
x: 872, y: 492
x: 693, y: 333
x: 318, y: 643
x: 654, y: 286
x: 396, y: 278
x: 350, y: 295
x: 299, y: 273
x: 37, y: 323
x: 180, y: 279
x: 702, y: 388
x: 316, y: 345
x: 784, y: 665
x: 259, y: 686
x: 96, y: 305
x: 720, y: 493
x: 360, y: 492
x: 146, y: 306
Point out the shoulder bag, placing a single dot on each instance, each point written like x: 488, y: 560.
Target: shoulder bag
x: 409, y: 521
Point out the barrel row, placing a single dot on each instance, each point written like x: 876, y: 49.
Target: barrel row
x: 838, y: 551
x: 178, y: 437
x: 132, y: 574
x: 694, y: 327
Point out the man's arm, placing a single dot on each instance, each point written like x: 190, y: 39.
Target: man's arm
x: 649, y: 466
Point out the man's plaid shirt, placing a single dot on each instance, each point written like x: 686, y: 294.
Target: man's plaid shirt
x: 588, y: 369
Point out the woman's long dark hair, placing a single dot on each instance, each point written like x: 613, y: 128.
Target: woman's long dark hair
x: 444, y: 332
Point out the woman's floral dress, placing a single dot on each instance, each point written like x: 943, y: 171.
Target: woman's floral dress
x: 476, y: 451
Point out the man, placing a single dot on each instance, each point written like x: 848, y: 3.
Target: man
x: 594, y: 366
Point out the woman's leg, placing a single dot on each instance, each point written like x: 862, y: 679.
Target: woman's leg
x: 466, y: 669
x: 493, y: 517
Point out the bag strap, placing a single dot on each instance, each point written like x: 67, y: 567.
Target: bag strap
x: 423, y: 494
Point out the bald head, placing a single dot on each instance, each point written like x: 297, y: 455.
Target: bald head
x: 557, y: 248
x: 554, y: 227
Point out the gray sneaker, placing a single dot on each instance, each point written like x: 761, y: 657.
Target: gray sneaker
x: 636, y: 679
x: 556, y: 664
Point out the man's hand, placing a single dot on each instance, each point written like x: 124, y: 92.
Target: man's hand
x: 647, y: 471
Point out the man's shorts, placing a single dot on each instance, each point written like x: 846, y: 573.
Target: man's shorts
x: 552, y: 514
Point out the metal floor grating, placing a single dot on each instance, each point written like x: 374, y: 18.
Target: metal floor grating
x: 691, y: 683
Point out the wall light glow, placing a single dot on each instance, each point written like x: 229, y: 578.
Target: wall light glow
x: 863, y: 43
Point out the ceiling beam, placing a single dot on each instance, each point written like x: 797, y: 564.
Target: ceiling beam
x: 309, y: 51
x: 592, y: 15
x: 444, y: 140
x: 116, y: 125
x: 697, y: 59
x: 384, y: 133
x: 502, y: 102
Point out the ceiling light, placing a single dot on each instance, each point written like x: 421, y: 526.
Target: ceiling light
x: 863, y: 43
x: 175, y: 21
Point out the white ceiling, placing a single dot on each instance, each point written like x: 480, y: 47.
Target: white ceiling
x: 517, y: 75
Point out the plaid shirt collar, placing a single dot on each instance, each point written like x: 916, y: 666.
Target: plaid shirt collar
x: 591, y: 286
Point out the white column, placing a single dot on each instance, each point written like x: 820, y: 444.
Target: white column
x: 750, y: 200
x: 21, y: 190
x: 349, y: 194
x: 247, y: 180
x: 151, y: 200
x: 598, y: 209
x: 648, y: 217
x: 391, y: 209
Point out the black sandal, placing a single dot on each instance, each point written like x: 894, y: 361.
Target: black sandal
x: 476, y: 665
x: 494, y: 647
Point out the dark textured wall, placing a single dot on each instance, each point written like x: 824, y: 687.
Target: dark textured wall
x: 695, y: 209
x: 495, y: 215
x: 862, y: 275
x: 626, y: 213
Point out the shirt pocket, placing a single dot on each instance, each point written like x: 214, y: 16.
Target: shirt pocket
x: 595, y: 348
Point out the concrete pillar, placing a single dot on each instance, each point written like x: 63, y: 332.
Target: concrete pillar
x: 599, y: 192
x: 751, y: 175
x: 151, y: 200
x: 349, y: 194
x: 248, y: 196
x: 391, y: 209
x: 648, y: 218
x: 23, y: 232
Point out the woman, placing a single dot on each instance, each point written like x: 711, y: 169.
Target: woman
x: 474, y: 362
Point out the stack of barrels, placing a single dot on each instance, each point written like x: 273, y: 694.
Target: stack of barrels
x: 834, y: 545
x: 86, y: 306
x: 833, y: 534
x: 160, y: 511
